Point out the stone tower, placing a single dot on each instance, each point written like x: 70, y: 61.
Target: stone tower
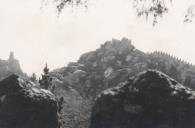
x: 11, y: 56
x: 13, y: 64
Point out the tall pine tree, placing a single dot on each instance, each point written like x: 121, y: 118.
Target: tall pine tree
x: 46, y: 81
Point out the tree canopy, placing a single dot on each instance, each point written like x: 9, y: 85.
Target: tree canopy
x: 154, y: 9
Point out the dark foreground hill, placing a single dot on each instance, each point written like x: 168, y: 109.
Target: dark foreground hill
x: 149, y: 100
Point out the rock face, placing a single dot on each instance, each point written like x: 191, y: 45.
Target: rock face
x: 114, y: 62
x: 101, y: 69
x: 149, y: 100
x: 23, y: 105
x: 106, y: 67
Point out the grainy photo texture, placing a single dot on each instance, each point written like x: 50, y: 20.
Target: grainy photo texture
x: 97, y: 64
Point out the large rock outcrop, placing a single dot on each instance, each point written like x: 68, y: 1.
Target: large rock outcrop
x: 114, y: 62
x: 149, y: 100
x: 100, y: 69
x: 24, y: 105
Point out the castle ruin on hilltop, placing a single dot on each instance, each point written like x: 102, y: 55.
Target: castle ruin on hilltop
x: 10, y: 66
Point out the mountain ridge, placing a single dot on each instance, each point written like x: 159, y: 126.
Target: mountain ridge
x: 116, y: 61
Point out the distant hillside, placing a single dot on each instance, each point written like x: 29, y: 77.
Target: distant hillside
x: 10, y: 66
x: 180, y: 70
x: 114, y: 62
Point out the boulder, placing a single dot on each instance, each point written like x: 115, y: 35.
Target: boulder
x: 148, y: 100
x: 24, y: 105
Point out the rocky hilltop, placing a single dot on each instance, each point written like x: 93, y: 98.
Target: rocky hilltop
x: 149, y: 100
x: 103, y: 89
x: 79, y: 83
x: 114, y: 62
x: 10, y: 66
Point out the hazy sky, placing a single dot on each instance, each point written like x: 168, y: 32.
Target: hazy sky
x: 37, y: 35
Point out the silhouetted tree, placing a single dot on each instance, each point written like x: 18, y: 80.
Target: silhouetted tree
x: 174, y: 73
x: 60, y: 104
x: 153, y: 9
x: 33, y: 78
x: 151, y: 65
x: 46, y: 81
x: 187, y: 81
x: 162, y: 67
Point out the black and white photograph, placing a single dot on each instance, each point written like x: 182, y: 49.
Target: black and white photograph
x: 97, y: 64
